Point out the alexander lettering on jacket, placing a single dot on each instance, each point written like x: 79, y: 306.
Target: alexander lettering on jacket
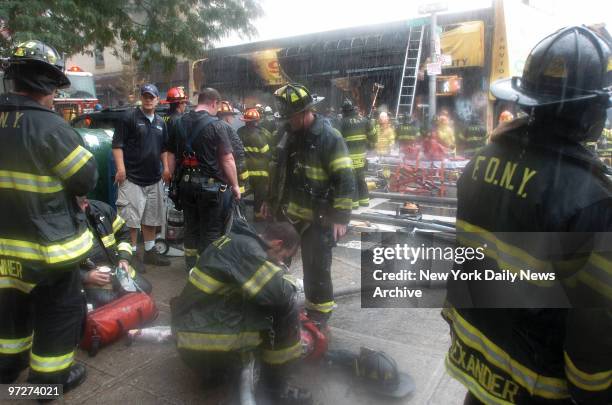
x: 493, y: 170
x: 498, y: 385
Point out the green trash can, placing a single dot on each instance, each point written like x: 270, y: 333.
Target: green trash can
x: 99, y: 143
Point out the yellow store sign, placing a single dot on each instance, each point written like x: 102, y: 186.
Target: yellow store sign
x: 465, y: 44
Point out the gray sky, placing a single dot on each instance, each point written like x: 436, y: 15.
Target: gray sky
x: 284, y: 18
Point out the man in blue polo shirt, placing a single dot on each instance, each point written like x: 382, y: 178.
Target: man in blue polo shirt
x: 139, y: 149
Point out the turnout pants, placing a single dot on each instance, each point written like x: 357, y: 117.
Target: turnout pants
x: 362, y: 195
x: 40, y: 326
x: 279, y: 348
x: 205, y: 211
x: 259, y: 184
x: 317, y: 243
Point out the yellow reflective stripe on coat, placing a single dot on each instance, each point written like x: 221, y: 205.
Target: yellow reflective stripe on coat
x: 261, y: 277
x: 125, y: 246
x: 282, y: 356
x: 205, y: 282
x: 324, y: 307
x: 244, y: 175
x: 14, y: 346
x: 242, y: 189
x: 298, y: 211
x: 217, y: 342
x: 72, y: 163
x: 118, y: 223
x: 50, y: 254
x: 44, y: 364
x: 589, y: 382
x: 595, y: 274
x: 534, y: 383
x: 344, y: 162
x: 33, y: 183
x: 258, y: 173
x: 255, y: 149
x: 354, y: 138
x: 316, y: 173
x: 108, y: 240
x: 508, y: 256
x: 343, y: 203
x: 11, y: 282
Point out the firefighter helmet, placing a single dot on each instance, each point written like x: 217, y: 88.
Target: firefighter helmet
x: 294, y: 98
x: 572, y: 64
x: 176, y: 95
x: 251, y: 114
x: 38, y: 66
x: 347, y: 107
x: 225, y: 108
x: 379, y: 372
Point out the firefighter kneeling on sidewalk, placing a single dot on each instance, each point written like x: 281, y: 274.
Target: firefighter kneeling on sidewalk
x: 238, y: 299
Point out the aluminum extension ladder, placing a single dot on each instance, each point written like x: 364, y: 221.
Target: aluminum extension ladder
x: 407, y: 90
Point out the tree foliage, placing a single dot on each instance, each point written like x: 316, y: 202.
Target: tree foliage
x: 151, y: 31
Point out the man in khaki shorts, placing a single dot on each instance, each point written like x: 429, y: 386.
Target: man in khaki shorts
x: 139, y: 150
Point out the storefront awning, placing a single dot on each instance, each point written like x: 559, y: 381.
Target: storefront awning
x: 465, y: 44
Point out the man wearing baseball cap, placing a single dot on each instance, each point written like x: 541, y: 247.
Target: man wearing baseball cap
x: 139, y: 149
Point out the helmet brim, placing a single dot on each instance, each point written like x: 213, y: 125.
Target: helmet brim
x: 405, y: 387
x: 509, y: 90
x: 62, y: 81
x: 315, y: 100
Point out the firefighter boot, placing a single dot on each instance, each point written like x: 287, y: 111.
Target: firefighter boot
x: 275, y: 387
x: 76, y: 376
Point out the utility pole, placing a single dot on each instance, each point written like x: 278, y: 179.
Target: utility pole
x: 433, y: 9
x: 434, y: 59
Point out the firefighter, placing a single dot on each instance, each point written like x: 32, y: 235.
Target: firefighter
x: 547, y: 215
x: 207, y: 173
x: 241, y: 276
x: 178, y: 101
x: 268, y: 122
x: 357, y: 133
x: 43, y: 235
x: 408, y: 132
x: 226, y: 113
x: 313, y: 186
x: 111, y: 248
x: 257, y: 150
x: 385, y: 134
x: 472, y: 138
x: 446, y: 132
